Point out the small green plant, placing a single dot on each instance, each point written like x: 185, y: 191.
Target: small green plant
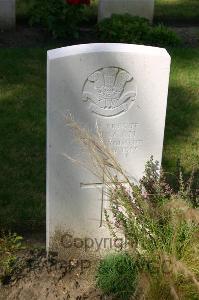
x: 129, y: 29
x: 117, y: 274
x: 58, y: 17
x: 9, y: 245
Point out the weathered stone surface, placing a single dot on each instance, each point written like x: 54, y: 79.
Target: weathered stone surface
x: 141, y: 8
x: 7, y: 14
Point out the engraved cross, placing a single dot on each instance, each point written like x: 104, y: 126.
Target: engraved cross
x: 103, y: 188
x: 98, y: 185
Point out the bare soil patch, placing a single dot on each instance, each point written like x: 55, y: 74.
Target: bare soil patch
x: 30, y: 37
x: 189, y: 35
x: 39, y: 277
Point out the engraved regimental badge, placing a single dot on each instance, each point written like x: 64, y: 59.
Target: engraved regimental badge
x: 109, y: 91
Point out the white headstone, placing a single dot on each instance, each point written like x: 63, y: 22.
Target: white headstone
x: 7, y: 14
x: 141, y: 8
x: 124, y: 89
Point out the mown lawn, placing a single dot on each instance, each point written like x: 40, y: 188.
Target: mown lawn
x: 182, y: 124
x: 183, y: 11
x: 22, y: 130
x: 22, y: 139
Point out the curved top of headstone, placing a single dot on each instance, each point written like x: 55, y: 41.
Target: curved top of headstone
x: 106, y: 47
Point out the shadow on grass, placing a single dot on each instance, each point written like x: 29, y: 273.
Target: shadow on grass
x: 182, y: 126
x: 181, y: 142
x: 182, y: 111
x: 22, y: 146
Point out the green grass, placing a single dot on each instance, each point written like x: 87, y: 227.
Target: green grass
x: 22, y: 128
x: 185, y: 11
x: 22, y: 146
x: 117, y: 274
x: 182, y: 125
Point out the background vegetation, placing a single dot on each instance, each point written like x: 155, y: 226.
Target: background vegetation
x: 135, y: 30
x: 177, y: 11
x: 167, y: 11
